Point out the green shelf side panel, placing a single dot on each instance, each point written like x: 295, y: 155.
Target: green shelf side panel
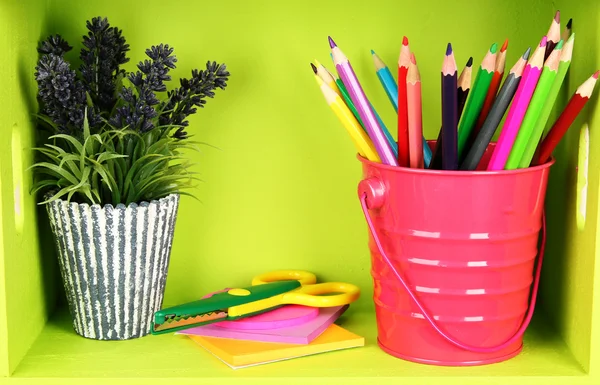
x: 28, y: 279
x: 570, y: 283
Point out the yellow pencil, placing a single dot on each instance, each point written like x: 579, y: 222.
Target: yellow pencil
x: 363, y: 144
x: 327, y: 77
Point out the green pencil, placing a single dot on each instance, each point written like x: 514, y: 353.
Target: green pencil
x: 527, y: 132
x: 347, y: 99
x: 539, y: 129
x: 476, y: 99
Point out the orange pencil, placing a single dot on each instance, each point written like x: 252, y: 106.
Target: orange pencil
x: 493, y: 90
x: 414, y: 112
x: 403, y: 64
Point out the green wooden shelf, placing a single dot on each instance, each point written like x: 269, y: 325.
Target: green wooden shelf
x: 281, y: 193
x: 58, y: 353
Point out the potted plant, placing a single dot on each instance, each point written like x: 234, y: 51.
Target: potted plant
x: 111, y: 169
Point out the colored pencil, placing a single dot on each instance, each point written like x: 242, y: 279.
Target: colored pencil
x: 561, y: 78
x: 528, y: 132
x: 475, y: 101
x: 517, y: 110
x: 505, y: 96
x: 566, y: 119
x: 361, y: 141
x: 414, y: 109
x: 449, y: 111
x: 553, y: 35
x: 326, y: 76
x: 346, y: 96
x: 493, y: 90
x: 403, y: 64
x: 566, y: 34
x: 386, y: 79
x: 391, y: 89
x: 346, y: 73
x: 464, y: 85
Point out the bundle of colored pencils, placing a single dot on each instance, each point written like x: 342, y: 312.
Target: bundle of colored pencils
x: 471, y: 114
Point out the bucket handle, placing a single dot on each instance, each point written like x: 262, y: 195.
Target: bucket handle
x: 431, y: 321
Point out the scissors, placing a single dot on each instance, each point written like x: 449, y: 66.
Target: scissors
x: 268, y: 291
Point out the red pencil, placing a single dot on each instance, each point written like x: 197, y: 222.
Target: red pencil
x: 493, y: 90
x: 566, y: 118
x: 403, y: 63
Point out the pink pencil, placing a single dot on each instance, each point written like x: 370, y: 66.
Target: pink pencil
x: 415, y: 117
x: 362, y: 105
x: 517, y: 110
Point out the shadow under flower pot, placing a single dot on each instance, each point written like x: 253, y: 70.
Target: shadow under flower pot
x: 114, y: 263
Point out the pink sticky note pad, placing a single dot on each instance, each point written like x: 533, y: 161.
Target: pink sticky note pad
x: 284, y: 317
x: 303, y: 333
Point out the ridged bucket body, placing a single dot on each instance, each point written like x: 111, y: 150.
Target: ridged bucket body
x: 466, y: 242
x: 114, y: 263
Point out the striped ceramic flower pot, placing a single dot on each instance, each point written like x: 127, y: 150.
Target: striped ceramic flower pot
x: 114, y: 263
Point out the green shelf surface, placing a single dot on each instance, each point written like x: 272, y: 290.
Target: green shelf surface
x: 60, y: 355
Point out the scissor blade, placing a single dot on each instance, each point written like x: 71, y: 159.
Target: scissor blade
x: 189, y: 321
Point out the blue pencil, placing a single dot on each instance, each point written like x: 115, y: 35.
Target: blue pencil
x: 386, y: 79
x: 391, y: 89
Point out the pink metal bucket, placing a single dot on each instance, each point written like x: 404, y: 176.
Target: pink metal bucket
x: 453, y: 256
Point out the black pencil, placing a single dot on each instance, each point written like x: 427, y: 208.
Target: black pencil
x: 495, y: 115
x: 449, y: 112
x: 464, y: 85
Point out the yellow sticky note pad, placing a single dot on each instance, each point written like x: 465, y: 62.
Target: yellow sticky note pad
x: 239, y: 354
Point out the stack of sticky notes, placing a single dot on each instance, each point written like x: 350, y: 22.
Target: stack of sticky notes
x: 288, y: 332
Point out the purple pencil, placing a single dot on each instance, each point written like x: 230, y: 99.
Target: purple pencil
x: 348, y: 77
x: 449, y: 112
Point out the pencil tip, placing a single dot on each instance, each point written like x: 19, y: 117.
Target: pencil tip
x: 405, y: 41
x: 449, y: 49
x: 526, y: 54
x: 559, y: 45
x: 570, y: 23
x: 314, y: 68
x: 372, y: 52
x: 494, y: 48
x: 572, y: 37
x: 557, y: 17
x: 470, y: 62
x: 504, y: 46
x: 544, y: 41
x: 331, y: 42
x: 595, y: 76
x: 413, y: 59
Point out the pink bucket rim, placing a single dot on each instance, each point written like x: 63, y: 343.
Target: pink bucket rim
x: 454, y: 173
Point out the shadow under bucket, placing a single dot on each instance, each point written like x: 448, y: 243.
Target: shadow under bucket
x: 453, y: 256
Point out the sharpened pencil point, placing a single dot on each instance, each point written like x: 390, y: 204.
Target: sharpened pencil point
x: 570, y: 23
x: 526, y: 54
x: 413, y: 59
x: 504, y: 46
x: 572, y: 37
x: 372, y: 52
x: 557, y: 17
x: 470, y: 62
x: 331, y: 42
x: 449, y: 49
x: 494, y: 48
x: 405, y: 41
x: 314, y: 68
x: 595, y: 76
x: 544, y: 41
x: 559, y: 45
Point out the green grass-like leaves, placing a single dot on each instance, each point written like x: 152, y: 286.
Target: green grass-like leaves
x: 113, y: 166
